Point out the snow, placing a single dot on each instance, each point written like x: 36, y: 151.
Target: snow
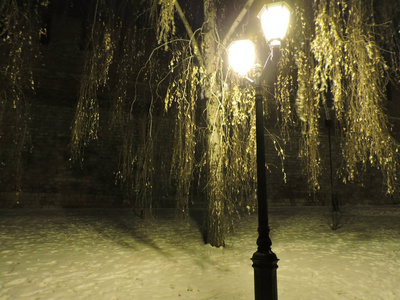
x: 113, y: 254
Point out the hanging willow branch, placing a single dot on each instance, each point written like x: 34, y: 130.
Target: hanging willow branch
x: 350, y: 62
x: 367, y: 137
x: 338, y: 61
x: 307, y: 102
x: 284, y: 90
x: 165, y: 21
x: 98, y: 58
x: 183, y: 92
x: 136, y: 167
x: 386, y: 27
x: 128, y: 61
x: 19, y: 45
x: 239, y: 157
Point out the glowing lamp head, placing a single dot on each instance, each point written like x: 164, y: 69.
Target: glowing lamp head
x: 242, y: 55
x: 274, y: 18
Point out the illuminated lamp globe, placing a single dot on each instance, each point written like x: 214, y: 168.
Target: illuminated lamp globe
x: 242, y: 54
x: 274, y: 18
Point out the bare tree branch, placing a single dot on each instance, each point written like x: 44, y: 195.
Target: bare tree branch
x: 190, y: 32
x: 236, y: 23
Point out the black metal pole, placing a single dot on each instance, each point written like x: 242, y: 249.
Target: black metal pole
x: 265, y: 262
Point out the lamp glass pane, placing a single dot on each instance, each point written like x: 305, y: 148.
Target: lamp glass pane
x: 242, y: 56
x: 275, y: 20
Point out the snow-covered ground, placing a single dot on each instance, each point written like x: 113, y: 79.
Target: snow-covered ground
x: 97, y: 254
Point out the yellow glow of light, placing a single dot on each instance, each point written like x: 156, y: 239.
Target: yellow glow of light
x: 274, y: 18
x: 242, y: 55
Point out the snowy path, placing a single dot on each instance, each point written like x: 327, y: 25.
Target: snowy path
x: 95, y: 254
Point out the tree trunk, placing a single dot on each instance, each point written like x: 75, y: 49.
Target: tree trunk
x: 216, y: 205
x: 209, y: 61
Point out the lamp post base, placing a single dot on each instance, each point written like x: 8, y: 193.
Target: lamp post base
x: 265, y: 279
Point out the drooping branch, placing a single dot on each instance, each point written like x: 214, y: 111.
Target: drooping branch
x: 98, y: 59
x: 19, y: 52
x: 190, y: 32
x: 237, y: 21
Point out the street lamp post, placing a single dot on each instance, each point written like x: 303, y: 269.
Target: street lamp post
x: 274, y: 19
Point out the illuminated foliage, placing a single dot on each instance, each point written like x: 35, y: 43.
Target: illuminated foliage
x: 332, y: 67
x: 166, y: 21
x: 325, y: 67
x: 227, y: 159
x: 183, y: 93
x: 308, y: 99
x: 98, y: 58
x: 339, y: 61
